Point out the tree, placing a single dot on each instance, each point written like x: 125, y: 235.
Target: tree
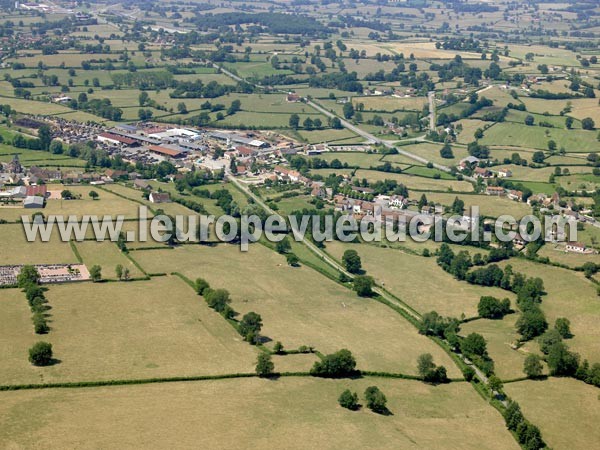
x: 308, y: 124
x: 56, y: 148
x: 352, y: 261
x: 538, y: 157
x: 40, y: 326
x: 41, y: 354
x: 182, y: 108
x: 126, y: 274
x: 532, y: 323
x: 216, y: 299
x: 283, y: 246
x: 551, y: 145
x: 349, y: 400
x: 143, y: 98
x: 363, y: 285
x: 474, y: 344
x: 264, y: 365
x: 278, y: 348
x: 561, y: 361
x: 250, y: 327
x: 513, y: 415
x: 235, y: 106
x: 376, y: 400
x: 492, y: 308
x: 446, y: 151
x: 533, y: 366
x: 425, y: 364
x: 292, y: 260
x: 96, y: 273
x: 201, y: 286
x: 336, y: 365
x: 119, y: 271
x: 494, y: 383
x: 478, y: 133
x: 336, y: 124
x: 588, y: 124
x: 294, y: 121
x: 93, y: 195
x: 45, y: 137
x: 563, y: 326
x: 529, y: 119
x: 348, y: 110
x: 548, y: 339
x: 569, y: 122
x: 28, y: 275
x: 66, y: 195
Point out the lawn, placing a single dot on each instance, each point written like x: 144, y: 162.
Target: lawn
x: 301, y: 307
x: 121, y: 330
x: 565, y: 410
x: 416, y: 280
x: 290, y: 413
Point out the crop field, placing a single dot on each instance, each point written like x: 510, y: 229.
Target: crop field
x: 300, y: 411
x: 535, y: 137
x: 412, y: 278
x: 301, y: 307
x: 573, y: 406
x: 121, y: 330
x: 416, y: 182
x: 583, y: 309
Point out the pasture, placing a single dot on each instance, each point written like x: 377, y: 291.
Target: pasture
x: 416, y: 182
x: 559, y: 404
x: 300, y: 413
x: 121, y: 330
x: 301, y: 307
x: 491, y: 206
x: 415, y: 280
x: 17, y: 250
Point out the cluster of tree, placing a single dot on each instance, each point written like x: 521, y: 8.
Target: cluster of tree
x: 147, y: 79
x: 429, y: 371
x: 457, y: 68
x: 99, y: 107
x: 219, y: 299
x: 342, y: 81
x: 197, y: 89
x: 336, y: 365
x: 352, y: 262
x: 492, y: 308
x: 528, y: 435
x: 271, y: 22
x: 28, y: 280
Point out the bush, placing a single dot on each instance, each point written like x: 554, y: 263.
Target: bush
x: 39, y: 324
x: 41, y: 354
x: 264, y: 365
x: 349, y: 400
x: 201, y: 286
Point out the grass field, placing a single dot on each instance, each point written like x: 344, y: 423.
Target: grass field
x: 17, y: 250
x: 391, y: 104
x: 121, y: 330
x: 107, y: 255
x: 415, y: 182
x: 558, y: 254
x: 431, y: 152
x: 500, y: 335
x: 535, y: 137
x: 414, y: 279
x: 559, y: 404
x: 582, y: 308
x: 301, y: 307
x: 298, y: 412
x: 488, y: 205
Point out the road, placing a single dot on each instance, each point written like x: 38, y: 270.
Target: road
x: 432, y: 120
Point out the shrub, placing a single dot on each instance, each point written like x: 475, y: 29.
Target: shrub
x: 336, y: 365
x: 201, y: 286
x: 264, y: 365
x: 376, y: 400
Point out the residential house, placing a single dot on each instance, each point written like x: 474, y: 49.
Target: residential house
x: 159, y: 197
x: 495, y: 190
x: 515, y: 195
x: 505, y: 173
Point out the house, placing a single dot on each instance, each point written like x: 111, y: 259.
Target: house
x: 495, y: 190
x: 467, y: 162
x: 114, y: 174
x: 36, y: 191
x: 164, y: 151
x: 318, y: 190
x: 537, y: 198
x: 515, y: 195
x: 285, y: 173
x: 141, y: 184
x: 481, y: 172
x: 519, y: 241
x: 292, y: 97
x: 160, y: 197
x: 398, y: 201
x: 576, y: 247
x: 33, y: 201
x: 505, y: 173
x: 241, y: 169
